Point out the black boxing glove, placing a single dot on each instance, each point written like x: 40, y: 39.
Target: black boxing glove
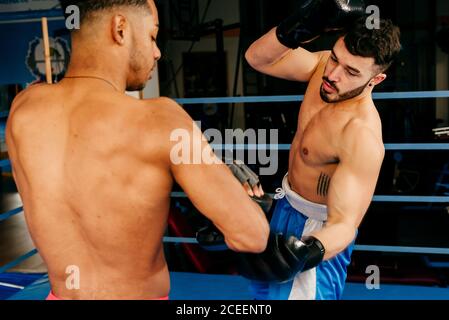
x: 313, y: 17
x: 211, y: 239
x: 282, y: 259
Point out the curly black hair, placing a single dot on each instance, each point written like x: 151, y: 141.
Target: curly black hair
x: 383, y: 44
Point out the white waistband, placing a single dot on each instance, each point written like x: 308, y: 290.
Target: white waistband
x: 309, y: 209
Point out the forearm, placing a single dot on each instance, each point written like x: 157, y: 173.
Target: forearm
x: 266, y: 51
x: 336, y: 238
x: 254, y: 237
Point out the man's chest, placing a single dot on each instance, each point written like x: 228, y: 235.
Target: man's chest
x: 319, y: 131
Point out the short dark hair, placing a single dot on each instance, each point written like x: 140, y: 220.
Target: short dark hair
x: 382, y: 44
x: 87, y: 7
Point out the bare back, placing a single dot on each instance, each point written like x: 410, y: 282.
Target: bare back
x: 95, y: 192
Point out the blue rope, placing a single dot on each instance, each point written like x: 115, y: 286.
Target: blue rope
x: 406, y: 199
x: 417, y: 146
x: 283, y: 147
x: 286, y: 147
x: 180, y: 240
x: 367, y: 248
x: 420, y: 250
x: 411, y: 95
x: 18, y: 261
x: 299, y: 98
x: 363, y: 248
x: 11, y: 213
x: 416, y: 199
x: 255, y: 99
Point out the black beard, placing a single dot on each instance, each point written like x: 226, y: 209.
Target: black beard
x: 345, y: 96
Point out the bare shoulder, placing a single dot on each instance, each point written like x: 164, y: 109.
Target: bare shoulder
x: 323, y: 57
x: 25, y: 107
x: 28, y: 94
x: 362, y: 138
x: 318, y: 71
x: 164, y: 104
x: 161, y: 120
x: 168, y: 113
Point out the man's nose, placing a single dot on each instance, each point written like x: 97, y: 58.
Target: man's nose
x: 335, y: 74
x: 157, y: 53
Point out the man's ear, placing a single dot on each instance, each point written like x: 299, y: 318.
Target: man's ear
x: 119, y: 26
x: 378, y: 79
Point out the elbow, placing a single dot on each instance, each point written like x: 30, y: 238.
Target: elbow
x: 352, y: 232
x: 260, y: 245
x: 344, y: 236
x: 257, y: 61
x: 251, y: 58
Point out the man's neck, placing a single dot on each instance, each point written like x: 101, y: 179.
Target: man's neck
x: 97, y: 65
x: 95, y: 73
x: 362, y: 99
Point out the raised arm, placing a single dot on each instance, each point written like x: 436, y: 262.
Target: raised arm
x: 352, y: 187
x: 278, y: 53
x: 213, y: 189
x: 267, y: 55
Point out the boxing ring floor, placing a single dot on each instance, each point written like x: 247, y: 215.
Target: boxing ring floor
x: 194, y: 286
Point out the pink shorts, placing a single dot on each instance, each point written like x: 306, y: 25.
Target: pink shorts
x: 52, y: 297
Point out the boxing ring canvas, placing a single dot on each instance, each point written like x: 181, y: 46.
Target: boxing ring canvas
x: 194, y: 286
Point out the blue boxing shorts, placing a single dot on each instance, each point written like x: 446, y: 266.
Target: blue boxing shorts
x: 297, y: 216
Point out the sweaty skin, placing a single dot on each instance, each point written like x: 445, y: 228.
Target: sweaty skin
x: 93, y: 168
x: 337, y: 152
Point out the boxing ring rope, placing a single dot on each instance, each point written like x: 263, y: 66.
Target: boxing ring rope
x: 362, y: 248
x: 404, y: 199
x: 9, y: 214
x: 286, y: 147
x: 18, y: 261
x: 299, y: 98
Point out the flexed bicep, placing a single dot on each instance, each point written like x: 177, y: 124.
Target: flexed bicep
x: 353, y: 184
x: 350, y: 194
